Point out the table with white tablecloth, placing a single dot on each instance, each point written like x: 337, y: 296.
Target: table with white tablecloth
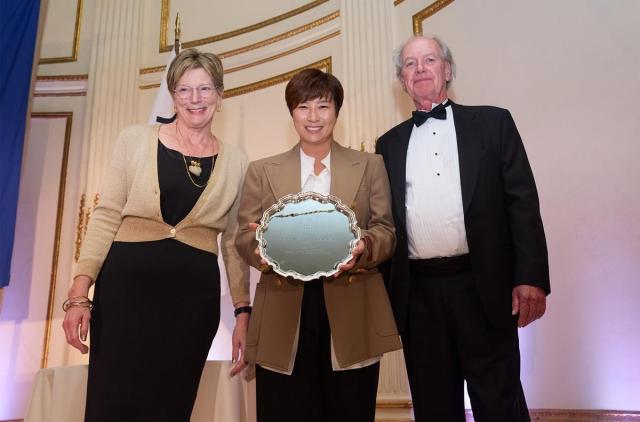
x: 59, y: 394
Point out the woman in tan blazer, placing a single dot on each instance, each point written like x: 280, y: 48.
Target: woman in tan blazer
x: 317, y: 344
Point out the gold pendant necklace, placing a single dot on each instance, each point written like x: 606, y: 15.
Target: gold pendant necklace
x: 194, y: 167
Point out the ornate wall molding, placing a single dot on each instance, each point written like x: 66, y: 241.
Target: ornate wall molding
x: 68, y: 116
x: 282, y: 36
x: 76, y: 41
x: 283, y: 54
x: 62, y: 78
x: 84, y: 214
x: 164, y: 26
x: 430, y: 10
x: 264, y: 60
x: 268, y: 41
x: 60, y: 94
x: 61, y: 86
x: 324, y: 64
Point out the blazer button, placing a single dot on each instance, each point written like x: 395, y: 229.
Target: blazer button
x: 351, y: 278
x: 172, y: 233
x: 278, y: 282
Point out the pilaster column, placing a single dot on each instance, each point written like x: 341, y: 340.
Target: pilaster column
x: 369, y: 111
x: 367, y: 78
x: 112, y: 95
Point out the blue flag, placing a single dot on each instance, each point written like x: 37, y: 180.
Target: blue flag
x: 18, y: 31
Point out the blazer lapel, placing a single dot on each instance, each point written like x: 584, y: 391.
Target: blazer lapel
x: 283, y: 173
x: 470, y: 150
x: 346, y: 174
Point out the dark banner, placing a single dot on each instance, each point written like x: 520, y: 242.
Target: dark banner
x: 18, y: 31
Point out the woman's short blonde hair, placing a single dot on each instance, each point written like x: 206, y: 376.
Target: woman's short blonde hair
x: 191, y: 58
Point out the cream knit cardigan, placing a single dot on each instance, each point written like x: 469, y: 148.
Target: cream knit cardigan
x: 129, y: 207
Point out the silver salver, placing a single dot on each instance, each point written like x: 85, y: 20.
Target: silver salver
x: 307, y: 235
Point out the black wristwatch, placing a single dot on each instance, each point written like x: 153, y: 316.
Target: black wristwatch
x: 242, y: 310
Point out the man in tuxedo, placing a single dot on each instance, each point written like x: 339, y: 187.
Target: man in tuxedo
x: 471, y: 264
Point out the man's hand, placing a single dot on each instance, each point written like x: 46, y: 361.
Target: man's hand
x: 530, y: 302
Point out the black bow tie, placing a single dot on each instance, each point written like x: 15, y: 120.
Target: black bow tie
x: 439, y: 112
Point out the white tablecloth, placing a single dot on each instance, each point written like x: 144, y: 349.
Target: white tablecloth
x: 59, y: 394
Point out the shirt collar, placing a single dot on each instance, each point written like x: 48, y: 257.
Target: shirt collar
x: 307, y: 162
x: 445, y: 103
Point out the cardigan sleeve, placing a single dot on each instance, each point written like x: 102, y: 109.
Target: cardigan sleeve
x: 107, y: 216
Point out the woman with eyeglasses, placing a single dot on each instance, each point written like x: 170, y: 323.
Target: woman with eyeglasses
x: 151, y: 249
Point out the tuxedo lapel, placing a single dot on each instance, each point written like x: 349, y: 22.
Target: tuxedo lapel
x: 397, y: 161
x: 470, y: 150
x: 346, y: 174
x: 283, y: 173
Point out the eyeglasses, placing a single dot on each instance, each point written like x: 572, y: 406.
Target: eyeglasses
x: 185, y: 92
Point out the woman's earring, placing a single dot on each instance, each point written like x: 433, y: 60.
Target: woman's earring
x: 219, y: 108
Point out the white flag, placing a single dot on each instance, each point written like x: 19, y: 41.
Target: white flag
x: 163, y: 105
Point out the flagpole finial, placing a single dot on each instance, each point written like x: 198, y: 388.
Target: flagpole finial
x: 176, y: 43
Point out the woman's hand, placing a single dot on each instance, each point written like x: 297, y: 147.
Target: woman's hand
x: 264, y: 265
x: 76, y: 318
x: 355, y: 253
x: 238, y: 343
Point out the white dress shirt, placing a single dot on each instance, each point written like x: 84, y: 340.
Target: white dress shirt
x: 434, y: 211
x: 310, y: 182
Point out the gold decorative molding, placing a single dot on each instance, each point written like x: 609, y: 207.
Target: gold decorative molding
x: 147, y: 70
x: 397, y: 2
x: 394, y: 404
x: 81, y: 229
x: 581, y: 415
x: 552, y: 415
x: 259, y: 44
x: 60, y: 94
x: 284, y: 53
x: 149, y: 86
x: 268, y: 59
x: 282, y: 36
x: 48, y: 78
x: 76, y: 41
x: 164, y: 26
x: 324, y: 64
x: 59, y: 214
x: 84, y: 214
x: 430, y: 10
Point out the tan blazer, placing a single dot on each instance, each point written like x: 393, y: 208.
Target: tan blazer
x: 360, y: 317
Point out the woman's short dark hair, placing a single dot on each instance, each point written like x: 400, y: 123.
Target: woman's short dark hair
x: 309, y: 84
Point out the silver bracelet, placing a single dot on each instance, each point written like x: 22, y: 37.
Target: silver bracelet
x: 78, y: 301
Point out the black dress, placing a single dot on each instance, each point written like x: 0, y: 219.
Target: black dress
x: 157, y: 309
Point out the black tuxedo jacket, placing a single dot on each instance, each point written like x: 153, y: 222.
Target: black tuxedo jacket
x: 506, y: 239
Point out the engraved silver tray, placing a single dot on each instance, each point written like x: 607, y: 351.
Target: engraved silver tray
x: 307, y: 235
